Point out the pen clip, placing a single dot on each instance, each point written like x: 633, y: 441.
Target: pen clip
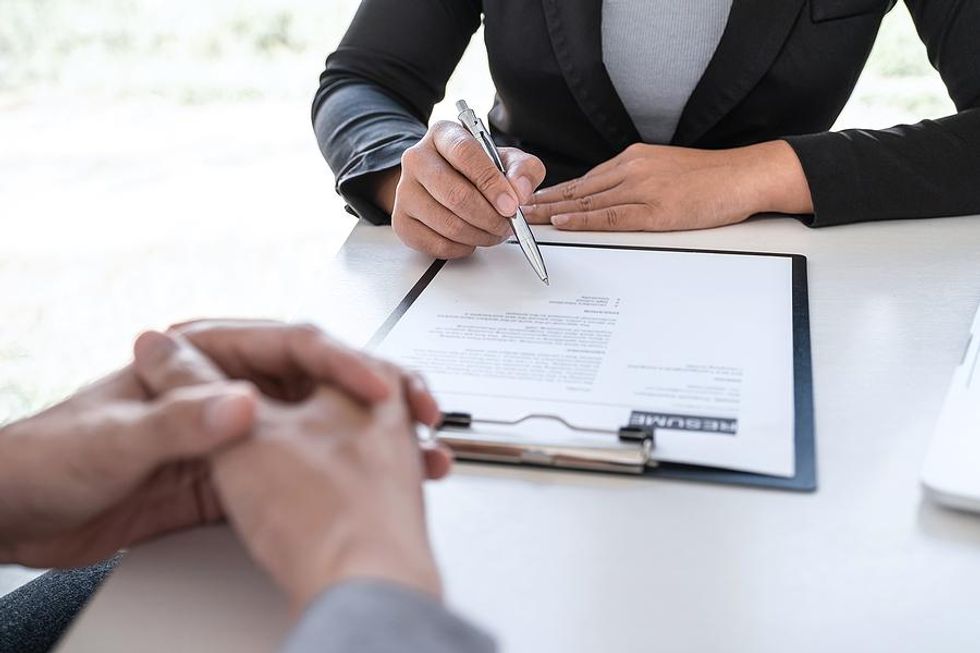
x: 478, y: 130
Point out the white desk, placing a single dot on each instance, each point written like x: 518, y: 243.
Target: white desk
x: 559, y: 561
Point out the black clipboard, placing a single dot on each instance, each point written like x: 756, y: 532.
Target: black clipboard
x: 805, y: 478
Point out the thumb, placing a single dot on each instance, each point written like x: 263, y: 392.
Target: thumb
x: 437, y: 459
x: 525, y: 172
x: 395, y: 410
x: 188, y: 423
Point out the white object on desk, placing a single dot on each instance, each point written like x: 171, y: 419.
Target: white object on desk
x: 951, y: 474
x: 579, y: 563
x: 619, y: 332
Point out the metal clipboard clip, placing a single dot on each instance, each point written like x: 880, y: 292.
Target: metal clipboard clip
x: 632, y: 459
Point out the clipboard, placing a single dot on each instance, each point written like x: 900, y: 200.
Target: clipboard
x: 634, y: 444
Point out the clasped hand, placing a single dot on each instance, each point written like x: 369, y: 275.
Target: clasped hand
x: 306, y: 447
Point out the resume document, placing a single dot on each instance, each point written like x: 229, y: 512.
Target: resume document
x: 697, y: 344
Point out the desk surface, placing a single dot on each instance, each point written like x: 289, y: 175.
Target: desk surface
x: 560, y: 561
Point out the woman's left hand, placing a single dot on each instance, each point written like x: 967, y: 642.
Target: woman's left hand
x: 664, y: 188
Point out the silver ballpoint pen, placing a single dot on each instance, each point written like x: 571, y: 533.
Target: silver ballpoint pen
x: 518, y: 223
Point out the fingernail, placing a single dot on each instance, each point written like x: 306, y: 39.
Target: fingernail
x: 155, y: 347
x: 524, y: 187
x: 559, y: 220
x: 228, y: 414
x: 506, y: 204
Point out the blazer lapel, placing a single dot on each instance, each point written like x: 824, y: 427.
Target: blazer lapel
x: 575, y: 29
x: 756, y: 32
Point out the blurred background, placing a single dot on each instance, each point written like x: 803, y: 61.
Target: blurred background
x: 157, y: 164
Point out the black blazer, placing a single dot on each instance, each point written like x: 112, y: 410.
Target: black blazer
x: 784, y: 69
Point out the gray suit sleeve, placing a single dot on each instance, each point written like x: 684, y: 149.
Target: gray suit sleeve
x: 377, y: 617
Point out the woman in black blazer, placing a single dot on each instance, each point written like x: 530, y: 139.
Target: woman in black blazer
x: 752, y: 137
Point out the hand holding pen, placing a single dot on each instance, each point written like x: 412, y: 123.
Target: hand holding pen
x: 451, y: 198
x: 518, y: 224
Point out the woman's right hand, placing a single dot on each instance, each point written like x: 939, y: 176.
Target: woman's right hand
x: 451, y: 199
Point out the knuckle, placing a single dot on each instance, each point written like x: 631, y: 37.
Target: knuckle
x: 453, y: 228
x: 462, y: 149
x: 458, y: 196
x: 487, y: 178
x: 398, y: 220
x: 442, y: 250
x: 568, y: 190
x: 443, y: 127
x: 418, y: 242
x: 521, y: 163
x: 633, y: 149
x: 485, y: 239
x: 585, y: 203
x: 446, y: 250
x: 611, y: 217
x: 410, y: 157
x: 404, y: 226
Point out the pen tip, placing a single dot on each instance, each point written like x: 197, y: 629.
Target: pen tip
x: 546, y: 282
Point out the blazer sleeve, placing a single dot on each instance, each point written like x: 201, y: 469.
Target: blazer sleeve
x: 378, y: 89
x: 375, y: 617
x: 929, y: 169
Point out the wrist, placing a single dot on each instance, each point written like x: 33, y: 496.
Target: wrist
x: 391, y: 559
x: 774, y: 179
x: 415, y: 569
x: 382, y: 186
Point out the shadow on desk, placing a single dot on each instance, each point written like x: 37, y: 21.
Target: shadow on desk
x: 948, y: 524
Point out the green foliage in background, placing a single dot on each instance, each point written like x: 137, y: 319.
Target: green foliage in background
x: 184, y: 49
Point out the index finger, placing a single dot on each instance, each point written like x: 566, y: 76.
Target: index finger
x: 246, y: 350
x: 575, y: 189
x: 164, y: 364
x: 463, y: 152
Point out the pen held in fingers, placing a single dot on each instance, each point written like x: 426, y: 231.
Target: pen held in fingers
x: 522, y: 231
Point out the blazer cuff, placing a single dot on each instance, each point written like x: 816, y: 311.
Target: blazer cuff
x: 350, y: 180
x: 833, y: 177
x: 379, y: 617
x: 362, y: 131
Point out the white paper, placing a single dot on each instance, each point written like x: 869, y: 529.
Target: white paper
x: 702, y: 340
